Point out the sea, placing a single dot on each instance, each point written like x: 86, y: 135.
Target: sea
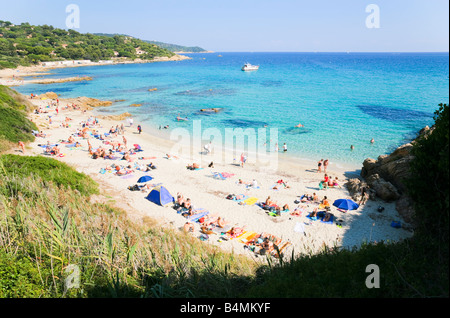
x: 341, y: 99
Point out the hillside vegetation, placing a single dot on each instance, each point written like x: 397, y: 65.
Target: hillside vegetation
x: 27, y: 44
x: 168, y: 46
x: 14, y: 124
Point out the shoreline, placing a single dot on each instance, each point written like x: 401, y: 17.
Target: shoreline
x: 209, y: 193
x: 13, y: 77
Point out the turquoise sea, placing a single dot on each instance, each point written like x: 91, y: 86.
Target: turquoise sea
x: 342, y: 99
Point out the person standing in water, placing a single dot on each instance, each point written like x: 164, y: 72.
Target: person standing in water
x: 325, y: 165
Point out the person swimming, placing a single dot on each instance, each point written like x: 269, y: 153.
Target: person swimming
x: 299, y: 125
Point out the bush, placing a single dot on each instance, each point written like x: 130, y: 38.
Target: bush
x: 429, y: 184
x: 50, y: 170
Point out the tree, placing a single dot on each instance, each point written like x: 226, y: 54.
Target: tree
x: 429, y: 184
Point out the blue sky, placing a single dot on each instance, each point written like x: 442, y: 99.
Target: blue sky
x: 255, y: 25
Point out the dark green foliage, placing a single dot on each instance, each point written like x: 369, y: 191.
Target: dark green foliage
x: 49, y: 170
x: 19, y: 277
x: 168, y: 46
x: 429, y: 185
x: 14, y: 124
x: 25, y: 44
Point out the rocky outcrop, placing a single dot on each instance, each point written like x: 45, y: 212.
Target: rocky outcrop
x: 88, y: 102
x: 116, y: 117
x: 49, y: 95
x: 383, y: 189
x: 385, y: 178
x: 61, y: 80
x: 210, y: 110
x: 393, y: 168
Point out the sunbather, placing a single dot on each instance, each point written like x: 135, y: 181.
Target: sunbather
x: 188, y: 227
x: 193, y: 166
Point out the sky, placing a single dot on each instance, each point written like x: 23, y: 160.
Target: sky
x: 255, y: 25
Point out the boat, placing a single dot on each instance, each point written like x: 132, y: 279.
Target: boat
x: 250, y: 67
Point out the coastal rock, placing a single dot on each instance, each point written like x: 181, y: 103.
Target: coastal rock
x: 62, y: 80
x: 211, y: 110
x: 383, y: 189
x: 116, y: 117
x: 393, y: 168
x: 355, y: 186
x: 49, y: 95
x: 405, y: 207
x: 88, y: 102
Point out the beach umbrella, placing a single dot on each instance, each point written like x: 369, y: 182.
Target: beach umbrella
x: 144, y: 179
x: 345, y: 204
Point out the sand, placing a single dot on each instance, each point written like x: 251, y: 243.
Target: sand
x: 349, y: 229
x: 362, y: 225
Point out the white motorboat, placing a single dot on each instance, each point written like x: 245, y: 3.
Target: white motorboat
x: 250, y: 67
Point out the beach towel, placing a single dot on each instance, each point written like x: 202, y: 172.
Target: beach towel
x: 197, y: 216
x: 129, y: 176
x: 299, y: 227
x: 218, y: 175
x: 250, y: 201
x: 247, y: 236
x: 240, y: 197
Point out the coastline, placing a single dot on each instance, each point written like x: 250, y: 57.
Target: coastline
x: 14, y: 77
x: 209, y: 193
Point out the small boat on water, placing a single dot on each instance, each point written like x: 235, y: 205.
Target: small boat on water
x: 250, y: 67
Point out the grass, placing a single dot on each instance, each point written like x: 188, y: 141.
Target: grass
x: 46, y: 227
x: 14, y: 124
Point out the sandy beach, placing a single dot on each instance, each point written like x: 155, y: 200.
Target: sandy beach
x: 209, y: 193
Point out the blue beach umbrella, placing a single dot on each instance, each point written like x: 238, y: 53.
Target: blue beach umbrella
x: 345, y: 204
x: 144, y: 179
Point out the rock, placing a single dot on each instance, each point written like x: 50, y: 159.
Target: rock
x: 393, y: 168
x: 383, y: 189
x: 88, y: 102
x: 355, y: 186
x: 49, y: 95
x: 211, y: 110
x: 116, y: 117
x: 405, y: 207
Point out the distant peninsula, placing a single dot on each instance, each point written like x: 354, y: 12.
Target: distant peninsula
x: 29, y: 45
x: 174, y: 48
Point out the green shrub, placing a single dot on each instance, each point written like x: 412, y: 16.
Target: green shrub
x: 50, y: 170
